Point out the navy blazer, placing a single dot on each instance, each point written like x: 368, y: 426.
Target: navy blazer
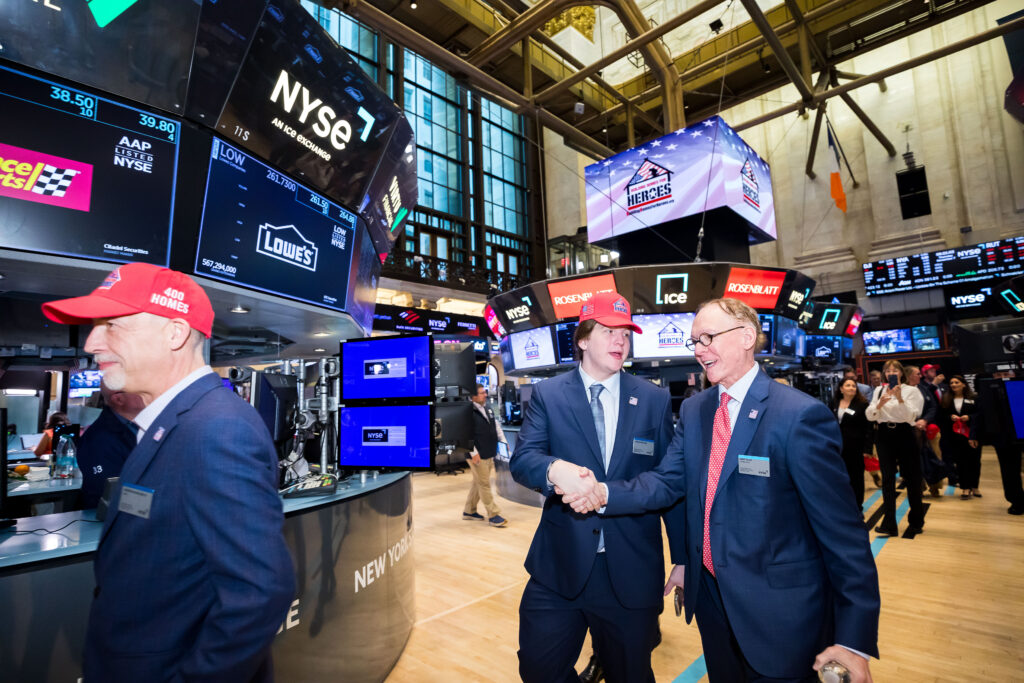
x: 559, y: 425
x: 197, y: 591
x: 792, y: 556
x: 102, y: 451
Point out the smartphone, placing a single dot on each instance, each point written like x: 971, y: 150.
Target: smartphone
x: 893, y: 381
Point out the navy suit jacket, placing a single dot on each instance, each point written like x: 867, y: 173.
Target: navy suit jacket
x: 197, y: 591
x: 791, y: 553
x: 559, y: 425
x: 102, y: 451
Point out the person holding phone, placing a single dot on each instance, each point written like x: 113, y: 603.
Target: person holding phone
x: 895, y: 406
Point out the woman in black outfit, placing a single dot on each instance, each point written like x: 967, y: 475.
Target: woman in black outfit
x: 858, y: 433
x: 958, y: 412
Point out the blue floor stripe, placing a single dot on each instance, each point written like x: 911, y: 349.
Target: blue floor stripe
x: 698, y: 669
x: 694, y: 672
x: 950, y: 490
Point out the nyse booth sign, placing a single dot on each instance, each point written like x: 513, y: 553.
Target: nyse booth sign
x: 759, y: 289
x: 567, y: 296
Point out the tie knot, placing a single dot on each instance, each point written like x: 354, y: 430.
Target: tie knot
x: 724, y: 400
x: 595, y: 391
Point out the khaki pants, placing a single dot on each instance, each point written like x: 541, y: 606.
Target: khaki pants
x: 480, y: 487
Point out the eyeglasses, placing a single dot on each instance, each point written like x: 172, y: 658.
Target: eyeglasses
x: 706, y: 339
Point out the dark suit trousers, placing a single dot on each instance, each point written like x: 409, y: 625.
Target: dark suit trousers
x: 552, y: 629
x: 967, y: 459
x: 722, y: 654
x: 853, y: 458
x: 1009, y: 470
x: 898, y: 448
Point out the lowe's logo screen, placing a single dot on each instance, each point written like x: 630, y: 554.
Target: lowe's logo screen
x: 385, y: 436
x: 386, y: 367
x: 684, y: 173
x: 261, y: 229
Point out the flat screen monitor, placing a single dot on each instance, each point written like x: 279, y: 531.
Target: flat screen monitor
x: 786, y: 333
x: 455, y: 419
x: 768, y: 330
x: 824, y: 348
x: 974, y: 263
x: 564, y: 333
x: 1015, y: 396
x: 664, y: 335
x: 532, y: 348
x: 276, y: 398
x: 926, y: 338
x: 387, y: 368
x: 399, y: 437
x: 83, y: 384
x: 262, y: 230
x: 505, y: 349
x: 888, y: 341
x: 84, y: 176
x: 3, y: 463
x: 801, y: 343
x: 455, y: 366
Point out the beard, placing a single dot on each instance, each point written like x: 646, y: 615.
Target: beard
x: 115, y: 378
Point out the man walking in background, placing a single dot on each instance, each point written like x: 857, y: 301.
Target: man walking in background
x: 487, y: 435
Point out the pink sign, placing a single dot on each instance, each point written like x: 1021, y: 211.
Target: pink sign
x: 44, y: 178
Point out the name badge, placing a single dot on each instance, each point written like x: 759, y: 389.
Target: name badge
x: 850, y: 411
x: 135, y: 500
x: 643, y: 446
x: 755, y: 465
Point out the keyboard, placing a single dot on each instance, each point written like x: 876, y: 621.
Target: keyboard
x: 316, y: 485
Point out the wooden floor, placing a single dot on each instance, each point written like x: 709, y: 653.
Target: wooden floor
x: 952, y: 598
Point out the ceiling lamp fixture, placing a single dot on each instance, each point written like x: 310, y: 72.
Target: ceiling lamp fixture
x: 239, y: 309
x: 412, y: 5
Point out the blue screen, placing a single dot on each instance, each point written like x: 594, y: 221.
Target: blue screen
x: 823, y: 347
x: 888, y: 341
x: 785, y: 336
x: 926, y: 337
x: 385, y: 436
x: 386, y: 367
x: 1015, y: 395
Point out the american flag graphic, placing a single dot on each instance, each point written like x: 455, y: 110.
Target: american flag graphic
x: 648, y: 170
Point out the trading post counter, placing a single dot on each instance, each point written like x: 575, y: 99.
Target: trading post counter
x: 353, y: 610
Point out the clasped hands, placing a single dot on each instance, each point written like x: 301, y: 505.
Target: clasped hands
x: 578, y: 486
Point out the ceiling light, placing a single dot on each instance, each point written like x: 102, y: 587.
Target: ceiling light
x: 323, y: 350
x: 322, y: 334
x: 239, y: 309
x: 412, y: 5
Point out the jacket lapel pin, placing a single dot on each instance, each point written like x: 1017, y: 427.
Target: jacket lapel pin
x: 159, y: 434
x: 632, y: 400
x: 753, y: 414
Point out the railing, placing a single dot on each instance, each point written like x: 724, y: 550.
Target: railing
x: 444, y: 273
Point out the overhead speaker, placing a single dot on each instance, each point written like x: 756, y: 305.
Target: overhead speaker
x: 579, y: 108
x: 912, y: 185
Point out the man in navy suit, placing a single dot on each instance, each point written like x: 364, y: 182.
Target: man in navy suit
x: 193, y: 575
x: 774, y: 560
x: 107, y: 442
x: 586, y: 571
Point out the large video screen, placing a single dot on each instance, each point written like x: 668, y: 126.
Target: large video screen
x: 767, y: 321
x: 985, y: 261
x: 888, y: 341
x: 786, y: 334
x: 138, y: 49
x: 387, y: 367
x: 926, y: 338
x: 1015, y: 396
x: 664, y: 335
x: 564, y: 333
x: 83, y: 384
x: 385, y: 436
x: 260, y: 229
x: 687, y: 172
x: 826, y: 348
x: 532, y: 348
x: 82, y: 175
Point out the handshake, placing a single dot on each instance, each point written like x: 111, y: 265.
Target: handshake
x: 578, y: 486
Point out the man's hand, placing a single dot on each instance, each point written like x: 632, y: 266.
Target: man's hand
x: 577, y: 485
x: 921, y: 424
x: 676, y: 578
x: 855, y: 664
x: 475, y: 458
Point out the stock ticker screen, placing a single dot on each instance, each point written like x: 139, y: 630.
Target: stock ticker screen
x: 80, y: 174
x: 985, y: 261
x: 262, y: 230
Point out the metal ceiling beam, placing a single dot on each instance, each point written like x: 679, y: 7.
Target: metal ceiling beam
x: 994, y: 32
x: 522, y: 26
x: 785, y: 61
x: 459, y: 68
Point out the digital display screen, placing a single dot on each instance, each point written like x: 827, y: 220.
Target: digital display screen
x: 363, y: 279
x: 757, y: 288
x: 786, y: 333
x: 888, y: 341
x: 138, y: 49
x: 686, y: 172
x: 985, y: 261
x: 386, y: 367
x: 854, y: 325
x: 567, y: 296
x: 972, y: 300
x: 664, y: 335
x: 1015, y: 395
x: 82, y: 384
x: 564, y: 333
x: 301, y: 102
x: 261, y: 229
x: 393, y: 191
x: 768, y: 330
x: 823, y: 347
x: 532, y: 348
x: 523, y: 308
x: 505, y: 349
x: 385, y: 436
x: 82, y: 175
x: 925, y: 338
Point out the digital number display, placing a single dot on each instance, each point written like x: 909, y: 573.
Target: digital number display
x: 986, y: 261
x: 82, y: 175
x: 261, y: 229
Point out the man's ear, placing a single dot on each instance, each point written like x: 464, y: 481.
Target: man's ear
x: 179, y: 333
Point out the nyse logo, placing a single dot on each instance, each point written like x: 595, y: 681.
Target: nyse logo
x: 670, y: 288
x: 286, y: 243
x: 970, y: 300
x: 519, y: 313
x: 375, y: 435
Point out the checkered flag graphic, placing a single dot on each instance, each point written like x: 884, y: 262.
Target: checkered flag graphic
x: 53, y: 181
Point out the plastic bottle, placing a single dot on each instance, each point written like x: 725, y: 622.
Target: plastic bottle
x: 66, y: 456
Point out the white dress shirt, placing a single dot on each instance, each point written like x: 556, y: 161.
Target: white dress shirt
x: 609, y: 399
x: 144, y: 420
x: 893, y: 410
x: 737, y: 392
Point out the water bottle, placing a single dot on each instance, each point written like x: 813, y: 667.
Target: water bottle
x: 66, y: 456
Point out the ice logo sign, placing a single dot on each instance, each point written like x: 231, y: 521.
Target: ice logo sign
x: 286, y: 243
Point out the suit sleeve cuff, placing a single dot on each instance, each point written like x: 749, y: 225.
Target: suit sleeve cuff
x: 856, y: 652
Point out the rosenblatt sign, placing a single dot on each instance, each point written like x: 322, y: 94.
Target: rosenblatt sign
x: 757, y: 288
x: 568, y: 295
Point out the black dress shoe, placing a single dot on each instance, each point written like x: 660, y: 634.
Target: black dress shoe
x: 915, y: 530
x: 884, y: 532
x: 1016, y: 510
x: 594, y: 671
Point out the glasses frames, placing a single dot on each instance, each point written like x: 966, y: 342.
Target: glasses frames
x: 706, y: 339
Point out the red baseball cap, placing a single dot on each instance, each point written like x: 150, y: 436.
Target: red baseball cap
x: 610, y: 309
x: 929, y: 367
x: 138, y: 288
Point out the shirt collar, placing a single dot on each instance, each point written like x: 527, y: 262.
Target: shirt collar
x: 611, y: 385
x: 145, y: 419
x: 738, y: 391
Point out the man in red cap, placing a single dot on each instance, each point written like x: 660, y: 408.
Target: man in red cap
x: 585, y: 571
x: 193, y: 575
